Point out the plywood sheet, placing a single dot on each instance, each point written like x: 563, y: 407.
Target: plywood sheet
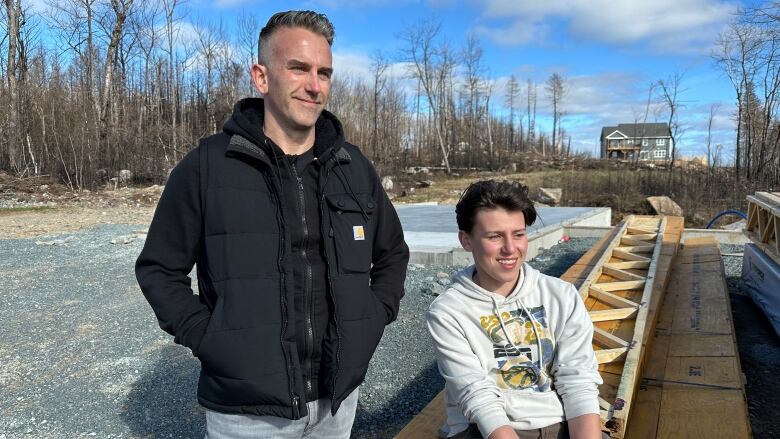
x: 427, y: 423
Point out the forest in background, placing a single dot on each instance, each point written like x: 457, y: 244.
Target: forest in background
x: 117, y: 87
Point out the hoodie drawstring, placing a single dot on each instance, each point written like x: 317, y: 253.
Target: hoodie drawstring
x: 531, y: 318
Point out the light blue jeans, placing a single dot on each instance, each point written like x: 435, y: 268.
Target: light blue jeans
x: 318, y: 424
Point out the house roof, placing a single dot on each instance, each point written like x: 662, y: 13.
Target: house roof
x: 639, y: 130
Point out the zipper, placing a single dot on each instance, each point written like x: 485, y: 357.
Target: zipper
x: 296, y: 400
x: 307, y: 287
x: 329, y: 262
x: 283, y: 300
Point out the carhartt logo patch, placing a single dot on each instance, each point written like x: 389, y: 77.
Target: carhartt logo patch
x: 357, y: 232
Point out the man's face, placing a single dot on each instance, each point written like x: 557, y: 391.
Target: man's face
x: 296, y: 83
x: 499, y: 244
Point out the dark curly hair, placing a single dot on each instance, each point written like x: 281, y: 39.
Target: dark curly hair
x: 492, y: 194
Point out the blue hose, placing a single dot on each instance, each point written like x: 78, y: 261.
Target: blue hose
x: 727, y: 212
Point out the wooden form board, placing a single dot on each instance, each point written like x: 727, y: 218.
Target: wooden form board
x: 763, y: 223
x: 427, y: 423
x: 692, y: 382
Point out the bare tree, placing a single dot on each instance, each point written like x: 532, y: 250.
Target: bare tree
x: 379, y: 66
x: 710, y: 153
x: 531, y: 111
x: 511, y: 98
x: 13, y: 10
x: 556, y: 90
x: 429, y: 67
x: 670, y: 90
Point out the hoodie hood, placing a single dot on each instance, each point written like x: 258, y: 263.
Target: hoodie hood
x: 247, y: 122
x: 464, y: 284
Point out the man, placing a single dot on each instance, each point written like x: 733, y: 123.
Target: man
x: 300, y: 255
x: 513, y: 345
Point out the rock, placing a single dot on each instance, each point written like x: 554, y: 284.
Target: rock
x: 550, y: 196
x: 424, y: 183
x: 387, y: 183
x: 434, y: 289
x: 512, y: 167
x: 665, y: 206
x: 739, y: 225
x: 125, y: 177
x: 443, y: 279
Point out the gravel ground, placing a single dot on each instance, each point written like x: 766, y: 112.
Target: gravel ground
x: 81, y: 354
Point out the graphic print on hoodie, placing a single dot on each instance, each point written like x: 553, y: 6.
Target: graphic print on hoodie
x: 518, y: 358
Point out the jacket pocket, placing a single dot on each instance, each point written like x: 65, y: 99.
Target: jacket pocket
x: 351, y: 220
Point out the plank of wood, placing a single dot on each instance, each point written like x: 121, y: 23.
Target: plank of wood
x: 427, y: 423
x: 610, y: 355
x: 622, y: 285
x: 628, y: 256
x: 618, y: 273
x: 638, y: 248
x: 702, y: 413
x: 612, y: 314
x: 584, y: 289
x: 611, y: 299
x: 693, y: 383
x: 608, y: 340
x: 630, y: 264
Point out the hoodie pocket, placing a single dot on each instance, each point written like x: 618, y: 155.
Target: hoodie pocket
x: 351, y: 220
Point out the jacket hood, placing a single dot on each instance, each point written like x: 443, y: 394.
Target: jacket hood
x: 247, y: 121
x: 464, y: 284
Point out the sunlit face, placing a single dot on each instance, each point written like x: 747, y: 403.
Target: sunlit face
x: 296, y: 84
x: 499, y: 243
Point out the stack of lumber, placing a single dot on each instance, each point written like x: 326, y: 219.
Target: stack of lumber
x: 763, y: 223
x: 692, y: 384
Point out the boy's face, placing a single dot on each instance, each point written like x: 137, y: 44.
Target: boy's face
x: 499, y: 244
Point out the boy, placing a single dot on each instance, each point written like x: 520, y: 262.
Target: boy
x: 513, y: 345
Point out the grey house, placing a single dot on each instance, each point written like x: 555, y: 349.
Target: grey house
x: 648, y: 141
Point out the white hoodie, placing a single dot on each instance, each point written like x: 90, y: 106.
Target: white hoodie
x: 487, y: 348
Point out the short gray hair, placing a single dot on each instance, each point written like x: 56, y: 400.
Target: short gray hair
x: 309, y: 20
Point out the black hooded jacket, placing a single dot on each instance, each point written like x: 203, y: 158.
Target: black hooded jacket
x: 271, y: 236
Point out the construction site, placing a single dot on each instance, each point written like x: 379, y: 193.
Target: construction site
x: 686, y: 323
x: 664, y: 333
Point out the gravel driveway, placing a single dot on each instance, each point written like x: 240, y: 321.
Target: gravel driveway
x: 81, y: 354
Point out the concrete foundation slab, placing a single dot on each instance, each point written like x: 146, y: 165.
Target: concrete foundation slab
x: 432, y: 233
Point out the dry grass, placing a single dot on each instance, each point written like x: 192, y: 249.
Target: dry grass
x: 625, y: 190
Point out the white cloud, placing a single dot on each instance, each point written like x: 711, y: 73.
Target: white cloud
x: 665, y: 25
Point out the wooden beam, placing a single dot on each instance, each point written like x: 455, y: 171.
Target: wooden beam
x: 611, y: 299
x: 626, y: 256
x: 630, y: 264
x: 638, y: 248
x: 644, y: 237
x: 604, y: 356
x: 606, y: 315
x: 623, y: 285
x: 617, y: 273
x: 608, y: 340
x: 640, y: 230
x: 629, y: 240
x: 603, y: 259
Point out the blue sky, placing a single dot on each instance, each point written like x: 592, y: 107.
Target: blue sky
x: 609, y: 51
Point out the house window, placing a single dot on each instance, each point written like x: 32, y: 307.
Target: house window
x: 660, y: 153
x: 660, y: 142
x: 645, y: 142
